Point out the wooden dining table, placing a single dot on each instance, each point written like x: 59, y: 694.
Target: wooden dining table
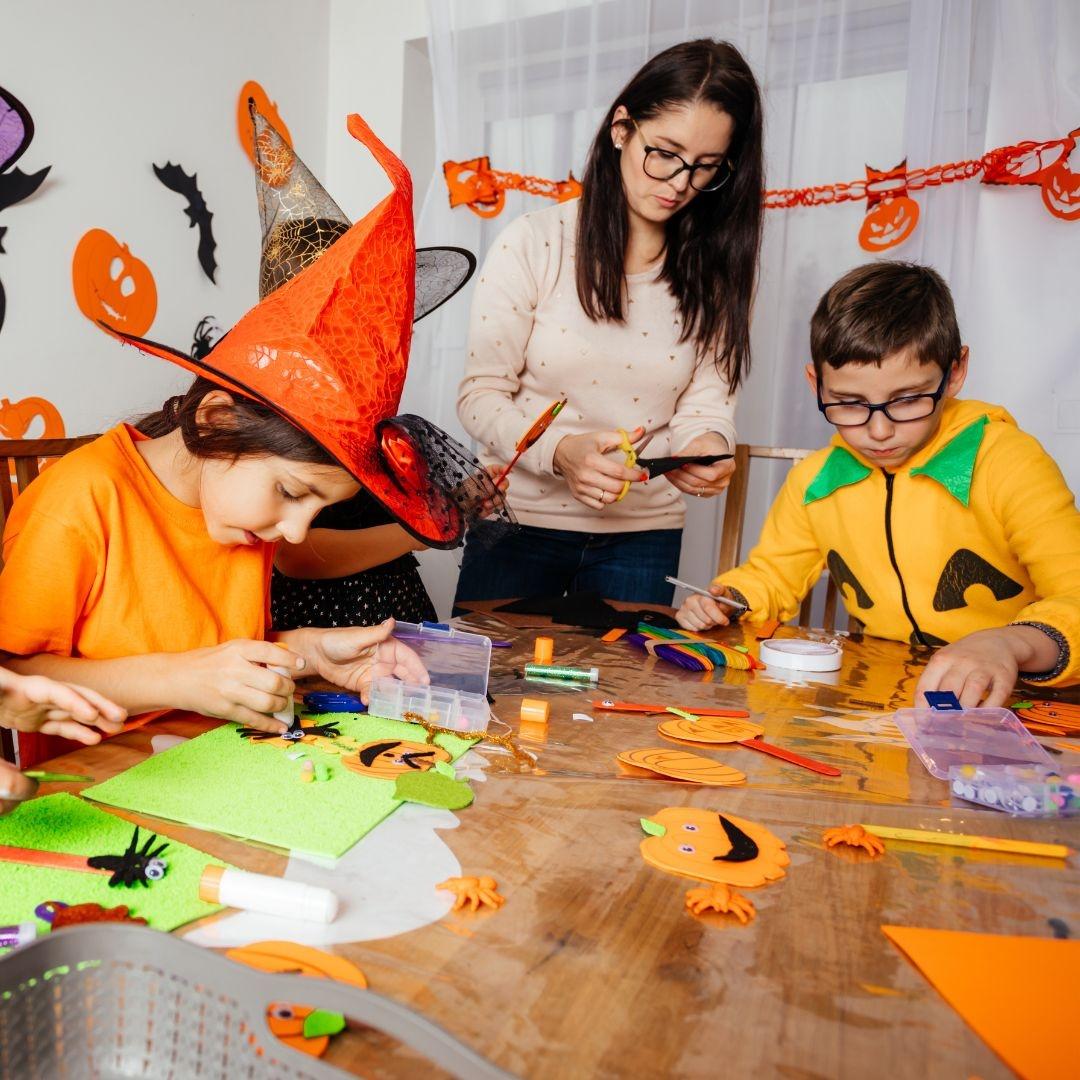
x: 594, y: 967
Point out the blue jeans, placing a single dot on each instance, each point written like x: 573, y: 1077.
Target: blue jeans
x: 550, y: 562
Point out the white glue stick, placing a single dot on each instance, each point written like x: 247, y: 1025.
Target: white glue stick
x: 270, y: 895
x: 284, y: 715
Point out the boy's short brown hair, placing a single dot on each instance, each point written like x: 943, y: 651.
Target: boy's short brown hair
x: 883, y: 308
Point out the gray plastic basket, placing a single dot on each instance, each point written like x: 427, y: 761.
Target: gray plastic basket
x: 109, y: 1001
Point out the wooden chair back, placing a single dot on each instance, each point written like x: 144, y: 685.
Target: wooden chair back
x: 21, y: 460
x: 731, y: 534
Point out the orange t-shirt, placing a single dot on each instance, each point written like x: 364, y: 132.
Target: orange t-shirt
x: 101, y: 561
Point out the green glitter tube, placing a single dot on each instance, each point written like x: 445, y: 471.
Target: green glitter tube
x: 570, y: 674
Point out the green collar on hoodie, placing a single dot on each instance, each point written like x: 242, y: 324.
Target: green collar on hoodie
x: 952, y: 466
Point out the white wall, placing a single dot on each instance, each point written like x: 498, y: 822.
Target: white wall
x: 114, y: 86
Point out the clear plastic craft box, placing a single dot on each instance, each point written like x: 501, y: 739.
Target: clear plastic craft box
x: 458, y: 664
x: 990, y: 737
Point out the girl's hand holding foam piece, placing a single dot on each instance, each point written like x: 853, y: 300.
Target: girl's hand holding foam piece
x: 232, y: 682
x: 36, y: 703
x: 351, y: 657
x: 14, y: 787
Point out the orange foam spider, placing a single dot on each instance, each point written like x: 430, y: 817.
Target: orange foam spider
x: 854, y: 836
x: 722, y: 898
x: 477, y: 892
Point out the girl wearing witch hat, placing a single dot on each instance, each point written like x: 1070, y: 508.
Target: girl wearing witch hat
x: 356, y: 564
x: 139, y: 566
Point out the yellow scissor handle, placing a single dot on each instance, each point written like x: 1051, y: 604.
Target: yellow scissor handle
x: 631, y: 461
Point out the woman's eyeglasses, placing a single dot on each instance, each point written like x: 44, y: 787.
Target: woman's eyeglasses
x: 660, y: 164
x: 899, y: 410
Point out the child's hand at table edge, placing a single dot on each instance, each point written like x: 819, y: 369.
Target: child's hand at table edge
x: 36, y: 703
x: 982, y: 667
x: 234, y: 682
x: 353, y: 656
x: 14, y: 787
x: 703, y: 613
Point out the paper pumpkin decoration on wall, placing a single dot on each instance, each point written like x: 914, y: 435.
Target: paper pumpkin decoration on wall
x: 17, y: 417
x: 252, y: 91
x: 708, y: 846
x: 891, y: 215
x: 1061, y: 191
x: 111, y: 285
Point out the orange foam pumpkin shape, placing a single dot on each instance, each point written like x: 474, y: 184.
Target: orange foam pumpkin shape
x: 888, y: 223
x: 111, y: 285
x: 709, y: 729
x: 252, y: 91
x: 388, y: 759
x: 708, y: 846
x: 679, y: 765
x: 302, y: 1027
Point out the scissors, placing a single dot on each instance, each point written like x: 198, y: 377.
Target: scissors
x: 630, y: 455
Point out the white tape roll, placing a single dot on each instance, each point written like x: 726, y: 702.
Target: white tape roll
x: 800, y: 654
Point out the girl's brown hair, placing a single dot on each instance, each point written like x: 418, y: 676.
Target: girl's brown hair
x: 244, y: 428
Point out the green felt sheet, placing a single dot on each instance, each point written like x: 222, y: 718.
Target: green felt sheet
x: 66, y: 824
x: 251, y: 790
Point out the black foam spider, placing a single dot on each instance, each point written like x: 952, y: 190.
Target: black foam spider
x: 295, y: 733
x: 137, y: 866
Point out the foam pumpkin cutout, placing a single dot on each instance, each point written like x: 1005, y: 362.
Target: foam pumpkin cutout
x: 888, y: 223
x: 111, y: 285
x: 288, y: 958
x: 680, y: 765
x: 708, y: 846
x: 304, y: 1028
x: 16, y: 418
x: 252, y: 91
x: 388, y: 759
x: 709, y: 729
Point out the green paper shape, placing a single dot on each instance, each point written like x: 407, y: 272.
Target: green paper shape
x: 248, y: 789
x: 433, y: 789
x: 446, y: 769
x: 323, y: 1023
x: 65, y: 823
x: 653, y: 828
x: 954, y: 464
x: 841, y: 468
x: 1021, y: 704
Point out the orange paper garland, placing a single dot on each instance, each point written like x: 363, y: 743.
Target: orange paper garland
x: 891, y: 214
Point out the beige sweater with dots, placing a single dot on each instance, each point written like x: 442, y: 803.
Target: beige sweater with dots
x: 530, y: 343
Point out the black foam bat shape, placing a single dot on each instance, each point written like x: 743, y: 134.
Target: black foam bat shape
x: 17, y: 185
x: 659, y: 466
x: 175, y: 179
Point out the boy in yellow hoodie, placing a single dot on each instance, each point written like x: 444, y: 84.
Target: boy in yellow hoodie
x: 942, y: 522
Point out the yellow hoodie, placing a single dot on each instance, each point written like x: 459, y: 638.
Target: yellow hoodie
x: 977, y: 530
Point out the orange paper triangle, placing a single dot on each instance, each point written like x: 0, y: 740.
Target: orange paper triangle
x: 1021, y: 995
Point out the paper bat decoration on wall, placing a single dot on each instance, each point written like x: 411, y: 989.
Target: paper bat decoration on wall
x: 175, y: 179
x: 16, y: 132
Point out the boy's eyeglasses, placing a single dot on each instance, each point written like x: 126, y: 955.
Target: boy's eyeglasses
x: 899, y: 410
x: 660, y: 164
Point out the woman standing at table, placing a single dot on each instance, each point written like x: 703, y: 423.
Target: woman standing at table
x: 634, y: 303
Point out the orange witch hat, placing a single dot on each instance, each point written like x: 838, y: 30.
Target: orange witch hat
x: 328, y: 351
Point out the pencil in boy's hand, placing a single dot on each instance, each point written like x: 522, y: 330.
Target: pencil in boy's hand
x: 705, y: 592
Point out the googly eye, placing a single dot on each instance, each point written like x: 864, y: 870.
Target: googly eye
x: 155, y: 869
x: 293, y: 736
x: 687, y: 849
x: 281, y: 1012
x: 607, y: 703
x: 690, y: 828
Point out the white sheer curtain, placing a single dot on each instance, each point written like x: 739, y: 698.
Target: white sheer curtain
x: 846, y: 83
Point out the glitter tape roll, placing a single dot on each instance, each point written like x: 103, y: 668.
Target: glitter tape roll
x: 799, y: 654
x: 544, y: 650
x: 535, y: 710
